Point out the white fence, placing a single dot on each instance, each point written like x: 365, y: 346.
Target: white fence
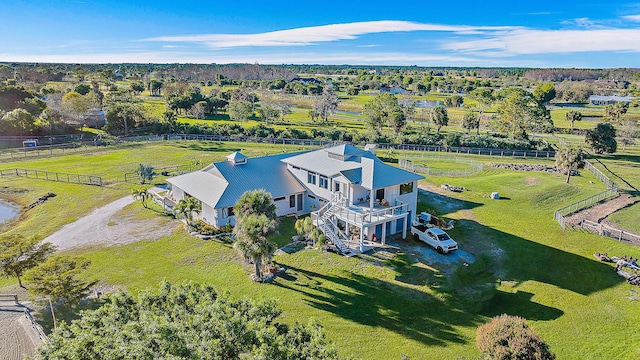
x: 409, y: 164
x: 610, y: 231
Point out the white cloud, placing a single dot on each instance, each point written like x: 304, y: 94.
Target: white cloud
x: 316, y: 34
x: 521, y: 42
x: 632, y: 17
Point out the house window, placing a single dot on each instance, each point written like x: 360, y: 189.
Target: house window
x: 336, y: 186
x: 324, y: 182
x: 278, y: 198
x: 311, y: 197
x: 311, y: 178
x: 379, y: 194
x: 292, y: 201
x: 406, y: 188
x: 229, y: 211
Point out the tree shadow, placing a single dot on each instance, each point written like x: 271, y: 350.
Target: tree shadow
x: 378, y: 303
x: 520, y: 303
x: 44, y: 316
x: 206, y: 147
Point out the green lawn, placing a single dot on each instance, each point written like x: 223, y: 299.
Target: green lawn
x: 374, y: 307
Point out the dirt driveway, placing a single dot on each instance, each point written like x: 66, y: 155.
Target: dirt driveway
x: 107, y: 226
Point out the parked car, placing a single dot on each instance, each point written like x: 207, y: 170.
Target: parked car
x: 435, y: 237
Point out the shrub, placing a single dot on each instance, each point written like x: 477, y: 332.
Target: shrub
x: 509, y: 337
x: 203, y: 228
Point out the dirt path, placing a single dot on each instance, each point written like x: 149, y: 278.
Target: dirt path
x: 601, y: 211
x: 17, y: 339
x: 105, y: 227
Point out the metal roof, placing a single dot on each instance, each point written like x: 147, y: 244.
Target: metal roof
x: 361, y: 167
x: 344, y: 149
x: 202, y: 185
x: 377, y: 175
x: 221, y: 184
x: 319, y: 161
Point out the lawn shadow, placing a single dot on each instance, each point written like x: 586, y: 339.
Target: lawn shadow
x: 207, y: 147
x: 520, y: 304
x: 523, y: 260
x: 378, y: 303
x: 64, y: 313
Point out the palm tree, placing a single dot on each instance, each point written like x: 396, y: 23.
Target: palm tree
x: 569, y: 159
x: 145, y: 172
x: 255, y: 202
x: 252, y: 239
x: 255, y: 215
x: 187, y: 207
x: 141, y: 193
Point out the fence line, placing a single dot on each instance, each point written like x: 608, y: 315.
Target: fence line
x: 610, y: 231
x: 476, y: 166
x: 612, y: 192
x: 599, y: 175
x: 53, y: 176
x: 20, y: 153
x: 36, y: 327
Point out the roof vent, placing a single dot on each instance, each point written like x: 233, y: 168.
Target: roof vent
x: 371, y: 148
x: 237, y: 158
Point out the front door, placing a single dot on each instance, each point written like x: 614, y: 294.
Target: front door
x: 299, y: 202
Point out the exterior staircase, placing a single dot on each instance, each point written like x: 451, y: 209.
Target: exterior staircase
x: 323, y: 219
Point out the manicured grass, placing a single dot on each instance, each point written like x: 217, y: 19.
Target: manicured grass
x: 627, y: 218
x: 376, y: 307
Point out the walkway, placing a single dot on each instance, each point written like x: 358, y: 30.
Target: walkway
x: 17, y: 338
x: 106, y: 227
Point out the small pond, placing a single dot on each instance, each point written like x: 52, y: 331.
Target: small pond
x: 8, y: 211
x: 422, y: 103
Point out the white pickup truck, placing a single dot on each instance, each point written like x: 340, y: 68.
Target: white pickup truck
x: 435, y: 237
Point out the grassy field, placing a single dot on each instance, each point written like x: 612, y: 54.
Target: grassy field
x: 373, y: 306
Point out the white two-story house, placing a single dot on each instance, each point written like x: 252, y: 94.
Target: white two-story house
x: 352, y: 195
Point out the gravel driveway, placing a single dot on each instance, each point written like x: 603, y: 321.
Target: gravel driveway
x: 105, y: 227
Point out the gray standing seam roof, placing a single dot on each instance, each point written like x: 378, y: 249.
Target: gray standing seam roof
x: 268, y: 173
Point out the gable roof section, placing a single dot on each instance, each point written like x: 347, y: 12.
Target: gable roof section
x: 221, y: 184
x: 360, y: 167
x: 377, y: 175
x: 319, y: 161
x: 203, y: 185
x: 344, y: 149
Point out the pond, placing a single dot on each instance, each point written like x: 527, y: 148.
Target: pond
x: 422, y: 103
x: 8, y: 211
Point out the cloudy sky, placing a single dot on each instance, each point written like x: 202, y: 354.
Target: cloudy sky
x: 541, y: 33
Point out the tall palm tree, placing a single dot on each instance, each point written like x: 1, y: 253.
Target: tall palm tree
x: 252, y: 239
x: 569, y: 159
x: 141, y: 193
x: 255, y: 215
x: 187, y: 207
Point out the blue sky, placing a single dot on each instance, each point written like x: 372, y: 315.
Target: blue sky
x: 594, y: 34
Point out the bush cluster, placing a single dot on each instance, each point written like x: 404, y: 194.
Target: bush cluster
x: 203, y: 228
x: 509, y: 337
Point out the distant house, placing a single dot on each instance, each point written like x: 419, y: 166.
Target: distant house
x: 598, y: 100
x: 94, y: 118
x: 307, y: 80
x: 348, y: 191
